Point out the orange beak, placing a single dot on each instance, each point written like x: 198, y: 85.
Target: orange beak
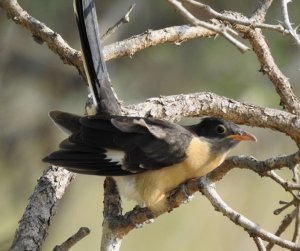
x: 242, y: 136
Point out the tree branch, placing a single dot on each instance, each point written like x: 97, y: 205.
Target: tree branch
x: 256, y: 21
x: 175, y: 107
x: 208, y: 189
x: 260, y: 47
x: 268, y: 66
x: 259, y: 243
x: 283, y: 226
x: 112, y: 212
x: 34, y: 224
x: 287, y: 23
x: 175, y: 35
x: 70, y: 242
x: 226, y: 32
x: 124, y: 20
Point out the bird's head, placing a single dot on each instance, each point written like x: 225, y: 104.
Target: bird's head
x: 221, y: 134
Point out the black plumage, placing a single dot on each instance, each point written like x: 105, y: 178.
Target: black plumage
x: 104, y: 99
x: 119, y: 145
x: 147, y: 144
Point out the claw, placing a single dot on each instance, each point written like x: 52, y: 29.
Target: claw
x: 188, y: 197
x: 182, y: 189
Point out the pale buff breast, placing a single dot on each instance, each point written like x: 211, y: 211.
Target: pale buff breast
x: 150, y: 188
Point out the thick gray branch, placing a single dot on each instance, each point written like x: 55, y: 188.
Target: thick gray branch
x: 137, y: 43
x: 206, y: 103
x: 34, y: 224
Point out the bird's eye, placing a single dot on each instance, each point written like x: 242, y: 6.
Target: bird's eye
x: 221, y: 129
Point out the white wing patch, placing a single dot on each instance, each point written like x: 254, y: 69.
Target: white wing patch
x: 115, y: 155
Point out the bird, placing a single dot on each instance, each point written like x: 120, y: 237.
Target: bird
x: 148, y: 157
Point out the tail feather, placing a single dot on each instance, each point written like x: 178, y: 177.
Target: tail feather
x: 95, y: 68
x: 68, y: 122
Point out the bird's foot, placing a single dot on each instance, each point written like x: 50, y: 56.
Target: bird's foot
x: 184, y: 191
x: 181, y: 189
x: 142, y: 208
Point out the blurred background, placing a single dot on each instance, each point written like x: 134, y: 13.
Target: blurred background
x: 34, y: 81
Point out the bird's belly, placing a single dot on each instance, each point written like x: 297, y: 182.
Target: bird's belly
x: 151, y: 187
x: 127, y: 187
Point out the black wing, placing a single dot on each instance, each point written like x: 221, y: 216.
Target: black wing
x: 94, y: 64
x: 119, y: 145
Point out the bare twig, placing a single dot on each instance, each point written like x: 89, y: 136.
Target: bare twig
x: 256, y: 21
x: 208, y: 189
x: 285, y: 206
x: 288, y: 186
x: 261, y: 10
x: 124, y: 20
x: 287, y: 220
x: 297, y: 226
x: 287, y: 22
x: 220, y: 29
x: 259, y: 244
x: 268, y: 66
x: 295, y: 174
x: 70, y: 242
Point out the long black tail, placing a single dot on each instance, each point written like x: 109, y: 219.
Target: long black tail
x: 95, y: 68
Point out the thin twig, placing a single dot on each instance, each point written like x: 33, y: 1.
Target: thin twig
x: 295, y: 174
x: 256, y: 21
x: 259, y: 244
x: 124, y: 20
x: 220, y: 29
x: 287, y: 22
x: 287, y: 220
x: 297, y: 225
x: 285, y: 206
x: 70, y: 242
x: 288, y: 186
x: 208, y: 189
